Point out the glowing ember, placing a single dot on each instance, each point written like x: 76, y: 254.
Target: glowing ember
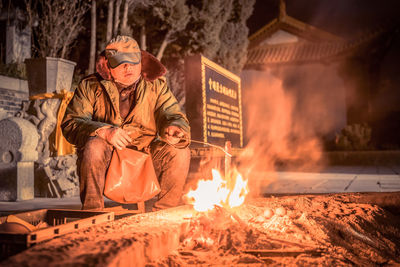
x: 218, y: 192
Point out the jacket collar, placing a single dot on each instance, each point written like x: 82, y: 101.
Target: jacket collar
x: 112, y: 91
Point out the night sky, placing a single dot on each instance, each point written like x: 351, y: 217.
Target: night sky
x: 341, y: 17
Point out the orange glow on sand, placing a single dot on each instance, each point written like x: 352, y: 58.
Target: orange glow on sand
x: 230, y: 192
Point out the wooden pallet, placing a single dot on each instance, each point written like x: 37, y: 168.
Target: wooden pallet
x: 58, y: 222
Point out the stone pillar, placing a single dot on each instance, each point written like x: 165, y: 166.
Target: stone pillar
x: 18, y: 141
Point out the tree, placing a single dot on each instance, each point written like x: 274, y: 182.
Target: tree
x: 110, y: 19
x: 203, y: 32
x: 92, y: 38
x: 116, y: 17
x: 233, y: 37
x: 175, y: 15
x: 115, y: 25
x: 125, y: 29
x: 201, y: 35
x: 140, y: 13
x: 59, y: 23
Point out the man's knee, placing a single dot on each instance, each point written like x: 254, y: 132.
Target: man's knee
x: 97, y: 149
x: 177, y: 156
x: 180, y: 154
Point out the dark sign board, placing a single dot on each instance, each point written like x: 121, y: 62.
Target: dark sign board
x: 213, y: 102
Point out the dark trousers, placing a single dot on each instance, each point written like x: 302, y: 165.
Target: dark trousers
x: 171, y: 165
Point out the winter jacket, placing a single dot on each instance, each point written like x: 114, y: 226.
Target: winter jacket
x: 94, y: 107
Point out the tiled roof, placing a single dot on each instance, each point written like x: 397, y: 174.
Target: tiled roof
x: 294, y: 26
x: 261, y: 56
x: 293, y: 52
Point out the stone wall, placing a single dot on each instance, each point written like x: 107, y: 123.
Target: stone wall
x: 12, y: 93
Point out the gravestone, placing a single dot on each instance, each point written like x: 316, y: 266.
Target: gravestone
x: 213, y: 102
x: 19, y: 139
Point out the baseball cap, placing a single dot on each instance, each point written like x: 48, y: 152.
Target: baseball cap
x: 122, y: 49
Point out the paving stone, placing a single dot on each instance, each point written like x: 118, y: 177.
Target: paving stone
x: 364, y: 185
x: 331, y: 186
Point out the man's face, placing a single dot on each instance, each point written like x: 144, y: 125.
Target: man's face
x: 126, y: 73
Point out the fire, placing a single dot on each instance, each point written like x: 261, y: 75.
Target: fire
x: 218, y: 192
x: 239, y: 192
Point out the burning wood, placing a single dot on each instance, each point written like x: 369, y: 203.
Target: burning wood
x: 211, y: 197
x: 220, y: 228
x: 233, y: 215
x: 230, y: 191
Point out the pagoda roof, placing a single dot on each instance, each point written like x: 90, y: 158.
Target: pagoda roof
x: 293, y: 26
x: 264, y: 55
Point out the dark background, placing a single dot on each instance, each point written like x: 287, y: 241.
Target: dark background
x: 342, y: 17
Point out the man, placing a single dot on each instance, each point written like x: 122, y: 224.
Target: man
x: 127, y: 103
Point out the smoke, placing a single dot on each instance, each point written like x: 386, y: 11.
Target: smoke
x: 287, y: 114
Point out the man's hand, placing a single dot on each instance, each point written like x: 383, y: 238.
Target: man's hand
x: 173, y: 134
x: 117, y: 137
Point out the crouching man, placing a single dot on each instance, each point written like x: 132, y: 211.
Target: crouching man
x: 127, y: 103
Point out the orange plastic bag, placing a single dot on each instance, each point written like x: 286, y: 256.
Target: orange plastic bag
x: 131, y: 177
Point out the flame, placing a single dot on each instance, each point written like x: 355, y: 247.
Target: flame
x: 236, y: 198
x: 218, y: 192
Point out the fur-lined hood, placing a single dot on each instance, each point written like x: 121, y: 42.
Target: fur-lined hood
x: 152, y: 68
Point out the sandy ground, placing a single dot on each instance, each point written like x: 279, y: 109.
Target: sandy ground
x: 327, y: 230
x: 300, y: 230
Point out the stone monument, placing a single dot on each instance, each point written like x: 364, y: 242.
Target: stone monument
x: 213, y: 102
x: 55, y: 176
x: 19, y: 139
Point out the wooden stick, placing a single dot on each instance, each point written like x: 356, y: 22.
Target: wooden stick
x: 288, y: 242
x: 234, y: 215
x: 208, y: 144
x: 263, y: 253
x: 228, y: 158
